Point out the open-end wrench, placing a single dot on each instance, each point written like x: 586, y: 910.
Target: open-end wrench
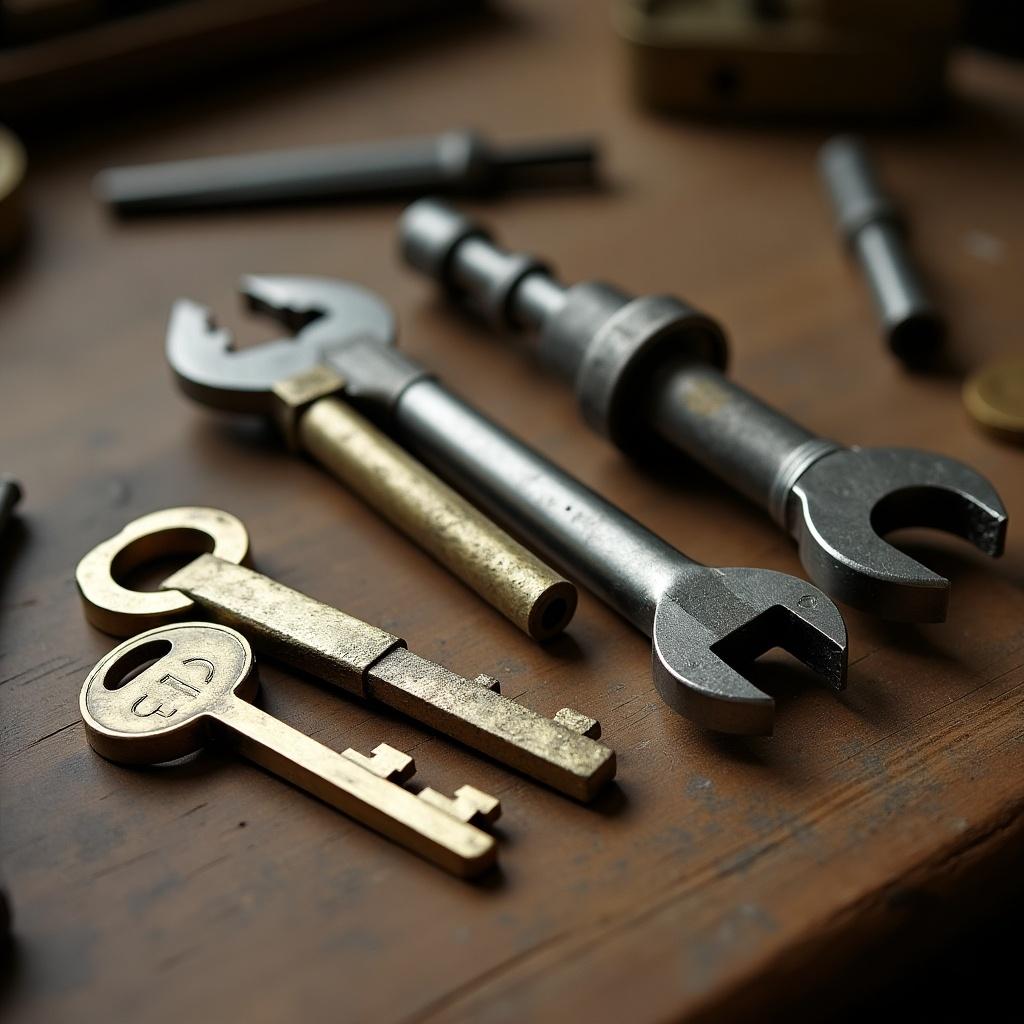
x: 653, y: 365
x: 705, y: 623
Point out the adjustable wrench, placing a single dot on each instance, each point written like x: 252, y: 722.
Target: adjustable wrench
x: 704, y: 622
x: 653, y: 366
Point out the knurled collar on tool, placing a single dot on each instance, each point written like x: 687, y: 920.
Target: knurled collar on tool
x: 433, y: 250
x: 615, y: 368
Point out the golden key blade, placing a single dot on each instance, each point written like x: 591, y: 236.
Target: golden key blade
x: 157, y: 697
x: 563, y: 752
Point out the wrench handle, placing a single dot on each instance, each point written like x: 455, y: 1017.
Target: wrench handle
x: 428, y: 511
x: 735, y: 435
x: 612, y: 554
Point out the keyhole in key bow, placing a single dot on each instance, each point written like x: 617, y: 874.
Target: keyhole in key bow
x: 134, y: 662
x: 145, y: 563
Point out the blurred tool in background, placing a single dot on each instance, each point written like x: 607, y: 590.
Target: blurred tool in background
x: 452, y: 162
x: 875, y: 230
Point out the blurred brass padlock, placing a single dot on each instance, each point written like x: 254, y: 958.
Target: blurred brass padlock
x: 788, y: 57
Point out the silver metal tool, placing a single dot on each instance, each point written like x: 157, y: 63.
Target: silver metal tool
x: 653, y: 366
x: 451, y: 162
x: 166, y: 693
x: 310, y: 409
x: 704, y: 622
x: 875, y: 230
x: 354, y: 656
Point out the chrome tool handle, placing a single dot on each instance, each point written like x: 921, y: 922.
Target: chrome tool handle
x: 755, y: 448
x: 611, y: 553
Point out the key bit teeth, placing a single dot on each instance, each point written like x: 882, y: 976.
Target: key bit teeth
x: 471, y: 805
x: 386, y: 762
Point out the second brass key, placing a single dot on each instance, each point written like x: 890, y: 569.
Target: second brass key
x: 562, y: 752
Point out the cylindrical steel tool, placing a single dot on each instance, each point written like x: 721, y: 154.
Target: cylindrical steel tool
x: 876, y: 232
x: 451, y: 162
x: 651, y: 366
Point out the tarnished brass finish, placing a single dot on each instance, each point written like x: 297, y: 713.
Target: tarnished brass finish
x: 158, y: 697
x: 556, y: 751
x: 562, y: 752
x: 459, y: 536
x: 171, y: 531
x: 308, y: 634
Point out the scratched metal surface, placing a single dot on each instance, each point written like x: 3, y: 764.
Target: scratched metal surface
x: 718, y: 875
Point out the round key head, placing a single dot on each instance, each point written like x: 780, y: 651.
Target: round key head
x: 190, y: 530
x: 151, y: 699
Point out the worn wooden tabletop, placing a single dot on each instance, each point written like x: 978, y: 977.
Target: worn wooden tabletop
x: 718, y: 874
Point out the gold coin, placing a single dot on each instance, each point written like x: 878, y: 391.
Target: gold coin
x: 994, y: 397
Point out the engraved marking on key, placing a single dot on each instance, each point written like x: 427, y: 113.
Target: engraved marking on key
x: 353, y: 655
x: 134, y: 715
x: 158, y: 710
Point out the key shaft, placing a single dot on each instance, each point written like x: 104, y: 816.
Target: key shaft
x: 356, y: 791
x: 370, y: 662
x: 158, y: 697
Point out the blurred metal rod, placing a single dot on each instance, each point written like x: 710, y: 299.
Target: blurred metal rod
x: 452, y: 162
x: 875, y: 230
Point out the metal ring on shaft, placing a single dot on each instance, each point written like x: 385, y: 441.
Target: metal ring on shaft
x: 795, y: 465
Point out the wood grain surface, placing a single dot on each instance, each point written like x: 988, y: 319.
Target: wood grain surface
x: 720, y: 877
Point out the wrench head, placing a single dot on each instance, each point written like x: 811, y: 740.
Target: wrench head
x: 841, y: 508
x: 319, y: 313
x: 712, y: 622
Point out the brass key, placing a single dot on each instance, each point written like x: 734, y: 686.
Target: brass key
x: 363, y: 660
x: 167, y: 692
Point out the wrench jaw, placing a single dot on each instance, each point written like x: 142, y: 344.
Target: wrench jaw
x: 842, y: 507
x: 320, y: 313
x: 703, y: 636
x: 207, y: 368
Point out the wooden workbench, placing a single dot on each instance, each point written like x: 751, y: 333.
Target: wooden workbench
x: 719, y: 875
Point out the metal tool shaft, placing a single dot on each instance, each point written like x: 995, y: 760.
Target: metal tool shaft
x: 731, y: 432
x: 610, y: 552
x: 693, y: 406
x: 452, y: 161
x: 876, y: 233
